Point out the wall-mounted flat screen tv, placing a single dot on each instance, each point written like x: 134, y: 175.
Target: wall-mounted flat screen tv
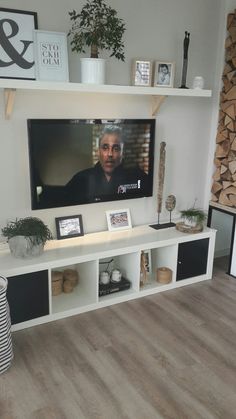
x: 74, y: 161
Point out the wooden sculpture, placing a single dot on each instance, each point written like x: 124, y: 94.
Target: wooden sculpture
x: 161, y: 177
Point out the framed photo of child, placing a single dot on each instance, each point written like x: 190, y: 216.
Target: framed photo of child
x: 164, y: 74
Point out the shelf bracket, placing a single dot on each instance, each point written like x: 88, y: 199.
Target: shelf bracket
x: 9, y: 95
x: 156, y: 103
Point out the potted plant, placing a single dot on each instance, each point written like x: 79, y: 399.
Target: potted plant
x: 193, y: 217
x: 97, y: 27
x: 26, y: 236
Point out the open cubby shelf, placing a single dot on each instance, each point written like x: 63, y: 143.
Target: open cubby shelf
x: 189, y: 256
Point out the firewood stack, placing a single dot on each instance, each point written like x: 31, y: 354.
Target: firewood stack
x: 224, y: 179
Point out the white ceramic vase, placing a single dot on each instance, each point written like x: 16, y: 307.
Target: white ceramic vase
x: 22, y: 247
x: 92, y: 70
x: 190, y: 223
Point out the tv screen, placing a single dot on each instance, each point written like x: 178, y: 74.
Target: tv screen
x: 75, y: 161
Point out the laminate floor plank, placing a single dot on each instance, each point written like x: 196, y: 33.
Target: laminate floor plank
x: 166, y: 356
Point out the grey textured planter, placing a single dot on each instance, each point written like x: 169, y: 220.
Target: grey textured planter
x: 22, y: 247
x: 6, y: 353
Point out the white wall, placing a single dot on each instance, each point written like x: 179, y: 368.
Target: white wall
x: 155, y: 30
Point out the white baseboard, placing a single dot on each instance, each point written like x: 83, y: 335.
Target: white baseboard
x: 221, y: 252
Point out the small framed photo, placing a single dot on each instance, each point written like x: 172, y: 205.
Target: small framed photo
x: 51, y: 56
x: 16, y: 45
x: 141, y: 73
x: 118, y: 220
x: 164, y: 74
x: 68, y: 227
x: 147, y: 258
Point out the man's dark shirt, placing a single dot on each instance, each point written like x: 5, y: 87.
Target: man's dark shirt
x: 91, y: 185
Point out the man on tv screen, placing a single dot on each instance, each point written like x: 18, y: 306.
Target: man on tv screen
x: 108, y: 177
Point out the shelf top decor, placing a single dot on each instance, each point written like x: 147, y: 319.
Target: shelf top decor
x: 98, y: 27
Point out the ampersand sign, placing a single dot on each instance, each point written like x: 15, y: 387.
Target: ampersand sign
x: 16, y: 39
x: 16, y: 57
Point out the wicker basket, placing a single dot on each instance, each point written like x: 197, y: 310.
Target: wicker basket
x: 57, y: 282
x: 68, y: 286
x: 72, y: 276
x: 164, y: 275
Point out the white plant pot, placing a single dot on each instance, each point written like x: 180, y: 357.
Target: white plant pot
x: 92, y: 70
x: 22, y: 247
x: 190, y: 223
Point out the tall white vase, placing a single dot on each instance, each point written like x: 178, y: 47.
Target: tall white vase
x: 92, y: 70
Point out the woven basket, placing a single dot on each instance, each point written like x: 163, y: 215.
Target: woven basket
x: 67, y: 286
x: 164, y: 275
x: 57, y: 282
x: 72, y: 276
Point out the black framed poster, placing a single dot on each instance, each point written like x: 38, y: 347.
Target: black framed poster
x: 16, y: 44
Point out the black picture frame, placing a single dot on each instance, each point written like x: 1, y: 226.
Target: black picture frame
x: 16, y: 44
x: 72, y: 226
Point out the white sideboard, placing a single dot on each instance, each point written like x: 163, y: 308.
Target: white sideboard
x: 189, y: 256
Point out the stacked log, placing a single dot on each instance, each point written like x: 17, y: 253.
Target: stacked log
x: 224, y: 179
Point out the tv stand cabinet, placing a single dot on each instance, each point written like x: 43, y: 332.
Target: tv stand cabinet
x: 29, y: 280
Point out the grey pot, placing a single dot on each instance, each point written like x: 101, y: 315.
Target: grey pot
x: 22, y: 247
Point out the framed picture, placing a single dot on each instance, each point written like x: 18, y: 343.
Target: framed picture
x: 68, y: 227
x: 147, y: 261
x: 141, y: 73
x: 16, y: 44
x: 164, y: 74
x: 118, y: 219
x: 51, y: 55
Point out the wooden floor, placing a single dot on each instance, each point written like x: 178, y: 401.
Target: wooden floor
x: 172, y: 355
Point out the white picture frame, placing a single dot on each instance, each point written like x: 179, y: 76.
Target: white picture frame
x: 51, y: 56
x: 164, y: 74
x: 17, y: 59
x: 141, y: 73
x: 118, y: 219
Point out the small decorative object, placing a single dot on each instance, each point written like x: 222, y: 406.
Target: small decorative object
x: 16, y: 44
x: 164, y: 74
x: 104, y: 277
x: 164, y: 275
x: 57, y: 283
x: 26, y: 236
x: 72, y: 276
x: 67, y: 287
x: 145, y: 266
x: 198, y: 82
x: 141, y: 73
x: 185, y: 60
x: 161, y: 177
x: 69, y: 227
x: 170, y: 206
x: 116, y: 275
x: 51, y: 56
x: 98, y: 27
x: 118, y: 220
x: 193, y: 219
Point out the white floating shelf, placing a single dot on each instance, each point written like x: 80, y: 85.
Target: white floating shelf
x: 158, y: 93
